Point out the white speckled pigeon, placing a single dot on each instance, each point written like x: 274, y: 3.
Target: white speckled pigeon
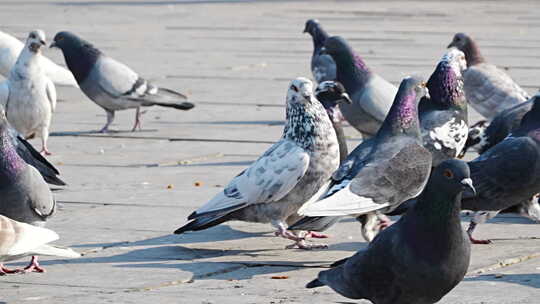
x: 24, y: 194
x: 372, y: 96
x: 276, y: 185
x: 331, y: 94
x: 18, y: 240
x: 28, y: 95
x: 417, y: 260
x: 508, y: 173
x: 323, y: 66
x: 488, y: 89
x: 443, y: 114
x: 381, y: 172
x: 111, y: 84
x: 11, y: 47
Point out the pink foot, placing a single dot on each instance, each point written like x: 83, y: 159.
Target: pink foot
x: 45, y: 151
x: 4, y: 270
x: 316, y: 235
x: 482, y: 242
x: 384, y: 224
x: 33, y: 266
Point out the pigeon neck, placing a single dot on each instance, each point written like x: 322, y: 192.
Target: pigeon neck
x: 27, y: 60
x: 319, y: 36
x: 402, y: 119
x: 80, y: 60
x: 11, y: 164
x: 530, y: 123
x: 352, y: 71
x: 472, y: 54
x: 308, y: 125
x: 446, y: 89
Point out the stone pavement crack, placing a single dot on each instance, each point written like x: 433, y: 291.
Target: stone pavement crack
x: 504, y: 263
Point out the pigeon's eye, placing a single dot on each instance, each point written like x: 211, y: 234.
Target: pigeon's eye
x: 294, y: 88
x: 448, y: 174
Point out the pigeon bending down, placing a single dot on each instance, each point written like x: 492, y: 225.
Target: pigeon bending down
x: 18, y: 240
x: 508, y: 173
x: 331, y: 94
x: 488, y: 89
x: 11, y: 47
x: 443, y: 114
x: 24, y: 194
x: 111, y: 84
x: 276, y: 185
x: 420, y: 258
x: 381, y: 172
x: 323, y: 66
x: 28, y: 95
x: 483, y: 136
x: 372, y: 96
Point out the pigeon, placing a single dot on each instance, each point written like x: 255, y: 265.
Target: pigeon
x: 508, y: 173
x: 420, y: 258
x: 331, y: 94
x: 488, y: 89
x: 484, y: 135
x: 24, y: 194
x: 11, y: 47
x: 111, y: 84
x: 291, y: 171
x: 443, y: 114
x: 381, y: 172
x: 18, y: 240
x: 323, y: 66
x: 372, y: 96
x: 28, y: 95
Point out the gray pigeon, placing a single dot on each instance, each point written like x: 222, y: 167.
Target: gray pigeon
x: 323, y: 66
x: 508, y: 173
x: 443, y: 114
x: 381, y: 172
x: 28, y: 95
x: 331, y: 94
x: 111, y: 84
x: 420, y: 258
x: 276, y: 185
x: 24, y: 194
x: 488, y: 89
x: 372, y: 96
x: 19, y: 240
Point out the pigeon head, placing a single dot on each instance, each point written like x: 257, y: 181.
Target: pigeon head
x: 312, y: 26
x: 352, y: 71
x: 468, y: 46
x: 79, y: 54
x: 446, y: 83
x: 453, y: 177
x: 330, y: 94
x: 35, y: 40
x: 402, y: 117
x: 300, y: 91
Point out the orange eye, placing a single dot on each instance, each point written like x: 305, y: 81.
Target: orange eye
x: 448, y: 174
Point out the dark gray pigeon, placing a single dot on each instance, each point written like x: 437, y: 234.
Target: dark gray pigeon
x: 276, y: 185
x: 420, y: 258
x: 381, y: 172
x: 484, y: 135
x: 111, y: 84
x: 443, y: 114
x: 372, y: 96
x: 508, y: 173
x: 331, y: 94
x: 24, y: 194
x: 488, y: 89
x: 323, y: 66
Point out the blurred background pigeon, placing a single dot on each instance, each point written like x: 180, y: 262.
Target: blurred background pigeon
x: 323, y: 66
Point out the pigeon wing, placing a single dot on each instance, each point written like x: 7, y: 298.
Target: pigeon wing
x: 268, y: 179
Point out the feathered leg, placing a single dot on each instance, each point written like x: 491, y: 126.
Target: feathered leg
x: 44, y: 139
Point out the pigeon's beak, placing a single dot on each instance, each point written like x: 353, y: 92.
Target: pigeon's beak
x: 468, y: 185
x: 345, y: 98
x: 53, y: 45
x: 450, y: 45
x: 305, y: 30
x: 42, y: 42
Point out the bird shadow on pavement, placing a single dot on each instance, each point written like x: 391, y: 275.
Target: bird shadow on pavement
x: 528, y: 279
x: 235, y: 122
x: 97, y: 132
